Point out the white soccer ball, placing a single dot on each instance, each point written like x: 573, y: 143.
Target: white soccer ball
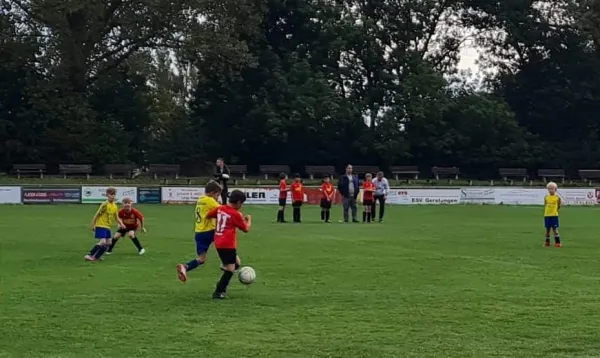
x: 225, y: 176
x: 247, y: 275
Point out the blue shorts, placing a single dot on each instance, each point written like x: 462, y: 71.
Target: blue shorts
x: 203, y: 241
x: 551, y: 222
x: 102, y: 233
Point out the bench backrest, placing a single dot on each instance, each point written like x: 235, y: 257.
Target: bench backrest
x: 404, y: 169
x: 274, y: 169
x: 513, y: 172
x: 363, y: 169
x: 29, y: 167
x: 589, y: 173
x: 445, y: 170
x: 319, y: 169
x: 164, y: 168
x: 551, y: 173
x: 119, y: 168
x: 75, y: 168
x: 238, y: 169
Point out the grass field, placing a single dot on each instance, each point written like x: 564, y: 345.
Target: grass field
x: 460, y: 281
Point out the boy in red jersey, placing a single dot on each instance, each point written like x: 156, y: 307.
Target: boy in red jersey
x: 133, y: 220
x: 297, y: 197
x: 229, y: 218
x: 368, y: 193
x: 283, y: 192
x: 327, y: 192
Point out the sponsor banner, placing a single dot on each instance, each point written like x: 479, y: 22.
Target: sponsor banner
x: 52, y: 195
x: 577, y: 196
x: 10, y: 195
x: 150, y: 195
x: 180, y: 195
x: 423, y: 196
x: 97, y: 194
x: 520, y: 196
x: 477, y: 195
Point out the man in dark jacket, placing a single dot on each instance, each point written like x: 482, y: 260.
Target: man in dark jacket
x: 349, y: 187
x: 222, y: 176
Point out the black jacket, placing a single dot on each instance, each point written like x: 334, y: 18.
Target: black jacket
x: 344, y: 186
x: 219, y: 176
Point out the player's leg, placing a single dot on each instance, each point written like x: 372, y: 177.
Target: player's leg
x: 557, y: 242
x: 368, y: 210
x: 133, y: 236
x: 299, y: 211
x: 381, y: 208
x: 328, y: 212
x: 115, y: 239
x: 281, y: 211
x: 229, y: 259
x: 104, y: 245
x: 548, y: 226
x: 296, y: 212
x: 323, y: 205
x: 203, y: 241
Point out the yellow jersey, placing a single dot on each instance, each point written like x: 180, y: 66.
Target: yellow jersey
x: 551, y: 205
x: 203, y: 206
x: 107, y: 212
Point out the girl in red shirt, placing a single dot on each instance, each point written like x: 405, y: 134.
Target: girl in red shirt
x: 327, y: 192
x: 297, y: 197
x: 368, y: 193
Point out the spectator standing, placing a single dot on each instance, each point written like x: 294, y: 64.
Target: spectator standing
x: 348, y: 186
x: 382, y: 187
x: 222, y: 174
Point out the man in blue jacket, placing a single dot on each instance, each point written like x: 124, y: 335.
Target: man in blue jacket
x: 349, y: 187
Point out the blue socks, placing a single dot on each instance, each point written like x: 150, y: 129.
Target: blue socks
x: 193, y: 264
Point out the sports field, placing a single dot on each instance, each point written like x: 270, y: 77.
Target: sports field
x: 460, y: 281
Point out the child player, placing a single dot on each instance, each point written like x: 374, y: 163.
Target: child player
x: 205, y: 228
x: 229, y: 218
x: 368, y: 193
x: 130, y: 217
x: 551, y: 208
x: 297, y: 197
x: 327, y: 192
x: 101, y: 224
x: 283, y: 192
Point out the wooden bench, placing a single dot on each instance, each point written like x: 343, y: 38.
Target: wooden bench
x: 273, y: 169
x: 125, y: 170
x: 589, y: 174
x: 75, y: 169
x: 29, y: 169
x: 546, y: 174
x: 452, y: 172
x: 507, y: 174
x: 364, y: 169
x: 319, y: 170
x: 157, y: 170
x: 398, y: 170
x: 238, y: 169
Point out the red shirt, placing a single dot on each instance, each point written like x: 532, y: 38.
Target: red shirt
x: 282, y: 189
x: 327, y: 191
x: 368, y: 190
x: 228, y: 219
x: 297, y: 191
x: 130, y: 218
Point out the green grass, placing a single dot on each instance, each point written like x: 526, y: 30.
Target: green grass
x: 454, y: 281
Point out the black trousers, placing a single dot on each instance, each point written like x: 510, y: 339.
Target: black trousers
x: 381, y: 199
x: 224, y: 196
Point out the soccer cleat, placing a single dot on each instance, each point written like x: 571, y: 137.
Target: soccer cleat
x: 89, y: 258
x: 558, y: 244
x: 108, y: 252
x: 219, y: 295
x: 142, y: 251
x: 328, y: 221
x: 182, y: 273
x: 355, y: 221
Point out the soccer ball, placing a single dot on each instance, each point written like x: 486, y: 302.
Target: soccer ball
x: 247, y: 275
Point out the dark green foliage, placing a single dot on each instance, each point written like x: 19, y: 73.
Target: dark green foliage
x: 299, y: 82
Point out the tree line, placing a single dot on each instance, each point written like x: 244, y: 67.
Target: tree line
x: 300, y: 82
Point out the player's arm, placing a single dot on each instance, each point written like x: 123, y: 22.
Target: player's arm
x: 244, y: 222
x: 559, y: 203
x: 99, y: 212
x: 140, y: 217
x: 119, y: 221
x: 212, y: 214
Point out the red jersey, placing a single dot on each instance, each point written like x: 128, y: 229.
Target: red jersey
x: 130, y: 218
x: 368, y: 190
x: 282, y: 189
x: 297, y: 191
x: 228, y: 220
x: 327, y: 191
